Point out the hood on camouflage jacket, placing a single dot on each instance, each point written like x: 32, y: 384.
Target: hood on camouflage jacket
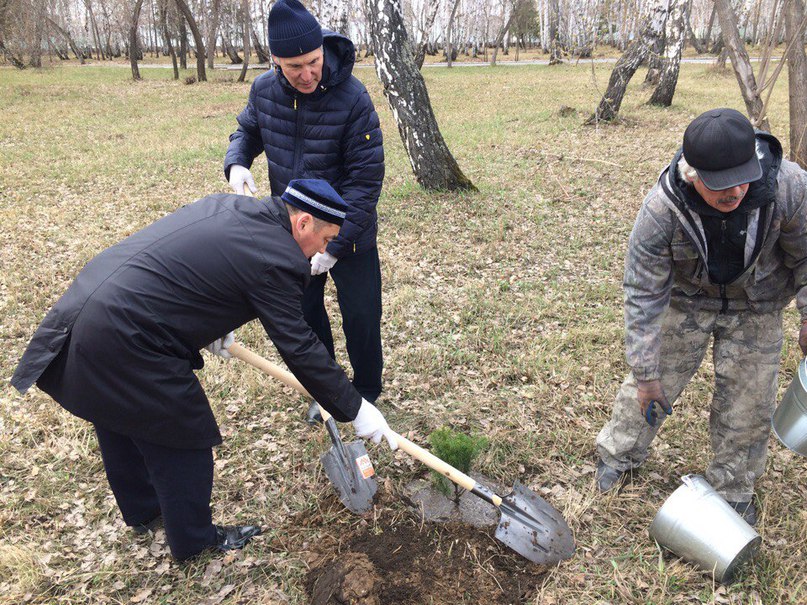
x: 331, y: 134
x: 667, y: 256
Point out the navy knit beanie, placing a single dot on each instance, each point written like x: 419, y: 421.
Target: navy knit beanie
x: 293, y: 31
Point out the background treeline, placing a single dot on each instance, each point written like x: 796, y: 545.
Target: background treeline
x: 35, y: 30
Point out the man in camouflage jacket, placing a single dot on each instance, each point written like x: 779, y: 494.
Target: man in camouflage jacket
x: 718, y: 249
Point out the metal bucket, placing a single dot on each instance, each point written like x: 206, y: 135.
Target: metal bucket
x: 789, y: 421
x: 698, y: 525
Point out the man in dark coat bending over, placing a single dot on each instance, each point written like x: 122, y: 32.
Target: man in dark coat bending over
x: 120, y: 347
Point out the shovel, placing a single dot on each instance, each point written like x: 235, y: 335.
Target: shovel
x: 347, y: 466
x: 529, y: 524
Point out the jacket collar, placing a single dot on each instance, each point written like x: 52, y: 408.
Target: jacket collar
x: 277, y: 208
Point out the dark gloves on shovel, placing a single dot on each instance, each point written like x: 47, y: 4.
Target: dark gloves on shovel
x: 651, y: 397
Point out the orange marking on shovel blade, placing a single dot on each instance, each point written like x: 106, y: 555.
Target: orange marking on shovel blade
x: 365, y: 466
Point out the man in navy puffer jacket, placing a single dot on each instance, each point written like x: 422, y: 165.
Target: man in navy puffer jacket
x: 314, y: 119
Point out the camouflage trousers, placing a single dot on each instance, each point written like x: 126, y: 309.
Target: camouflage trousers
x: 746, y: 353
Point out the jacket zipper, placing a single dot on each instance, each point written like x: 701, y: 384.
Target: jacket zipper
x: 298, y: 140
x: 725, y: 305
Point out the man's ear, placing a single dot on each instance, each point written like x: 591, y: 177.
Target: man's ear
x: 304, y: 221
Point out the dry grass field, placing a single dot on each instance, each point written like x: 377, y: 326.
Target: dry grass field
x: 502, y: 317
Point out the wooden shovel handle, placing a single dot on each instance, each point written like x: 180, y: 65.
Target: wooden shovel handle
x: 266, y: 366
x: 414, y: 450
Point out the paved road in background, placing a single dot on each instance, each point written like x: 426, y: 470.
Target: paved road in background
x: 266, y: 66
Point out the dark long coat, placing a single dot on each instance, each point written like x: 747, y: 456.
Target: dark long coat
x: 119, y: 348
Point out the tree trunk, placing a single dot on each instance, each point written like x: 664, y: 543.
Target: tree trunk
x: 94, y: 30
x: 554, y: 33
x: 449, y: 31
x: 629, y: 62
x: 501, y: 33
x: 263, y: 56
x: 212, y: 33
x: 432, y: 162
x: 15, y: 60
x: 183, y: 43
x: 201, y: 75
x: 707, y: 39
x: 755, y: 26
x: 247, y: 28
x: 133, y: 53
x: 696, y: 44
x: 230, y: 51
x: 675, y: 37
x: 66, y: 35
x: 333, y: 15
x: 163, y: 9
x: 39, y: 27
x: 157, y: 47
x: 741, y: 64
x: 797, y: 77
x: 420, y: 51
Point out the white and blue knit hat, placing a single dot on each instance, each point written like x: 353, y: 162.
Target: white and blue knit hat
x: 316, y: 197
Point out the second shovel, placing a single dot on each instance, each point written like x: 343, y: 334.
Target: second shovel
x: 348, y: 466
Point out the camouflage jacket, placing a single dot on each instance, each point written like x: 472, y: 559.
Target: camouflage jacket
x: 667, y: 260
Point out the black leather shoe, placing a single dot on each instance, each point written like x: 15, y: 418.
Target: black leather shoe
x: 747, y: 510
x: 143, y: 528
x: 313, y: 417
x: 607, y: 477
x: 235, y: 537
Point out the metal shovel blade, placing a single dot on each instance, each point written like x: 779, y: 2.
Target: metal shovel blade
x: 351, y: 472
x: 534, y: 528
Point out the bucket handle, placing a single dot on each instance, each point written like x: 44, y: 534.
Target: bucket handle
x: 696, y: 483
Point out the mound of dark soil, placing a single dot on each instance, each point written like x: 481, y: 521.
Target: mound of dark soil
x: 408, y: 562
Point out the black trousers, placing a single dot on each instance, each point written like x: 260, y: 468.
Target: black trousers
x: 149, y: 480
x: 358, y: 289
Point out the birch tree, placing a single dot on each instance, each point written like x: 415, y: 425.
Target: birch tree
x: 133, y: 51
x: 333, y: 14
x: 247, y: 25
x: 432, y: 162
x: 201, y: 74
x: 676, y: 32
x: 629, y: 62
x: 797, y: 78
x: 741, y: 63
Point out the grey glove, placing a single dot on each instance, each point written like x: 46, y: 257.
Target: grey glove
x: 220, y: 345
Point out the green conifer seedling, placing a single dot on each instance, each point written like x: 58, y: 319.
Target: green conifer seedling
x: 457, y: 449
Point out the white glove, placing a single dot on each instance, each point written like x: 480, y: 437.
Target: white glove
x: 240, y: 176
x: 220, y: 345
x: 370, y: 424
x: 322, y: 262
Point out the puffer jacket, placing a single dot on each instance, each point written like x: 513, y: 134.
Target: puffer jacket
x: 667, y: 258
x: 331, y: 134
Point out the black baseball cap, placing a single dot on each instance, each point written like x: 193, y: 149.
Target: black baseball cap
x: 720, y: 145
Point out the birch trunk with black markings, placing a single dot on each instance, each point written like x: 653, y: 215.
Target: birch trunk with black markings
x: 629, y: 62
x: 676, y: 32
x: 432, y: 162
